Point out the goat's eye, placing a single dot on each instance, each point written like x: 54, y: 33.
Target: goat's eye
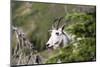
x: 57, y: 33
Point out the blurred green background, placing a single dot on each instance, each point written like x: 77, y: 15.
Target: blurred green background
x: 35, y: 19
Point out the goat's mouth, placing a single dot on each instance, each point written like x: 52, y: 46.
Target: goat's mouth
x: 50, y: 47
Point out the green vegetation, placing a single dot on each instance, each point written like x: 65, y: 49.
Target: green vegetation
x: 84, y: 46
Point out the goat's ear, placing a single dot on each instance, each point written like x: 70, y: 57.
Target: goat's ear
x: 62, y: 27
x: 49, y: 30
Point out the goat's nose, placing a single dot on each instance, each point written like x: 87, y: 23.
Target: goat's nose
x: 47, y: 45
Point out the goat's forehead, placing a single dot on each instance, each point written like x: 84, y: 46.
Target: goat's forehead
x: 54, y: 31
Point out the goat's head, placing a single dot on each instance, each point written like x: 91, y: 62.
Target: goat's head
x: 57, y: 34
